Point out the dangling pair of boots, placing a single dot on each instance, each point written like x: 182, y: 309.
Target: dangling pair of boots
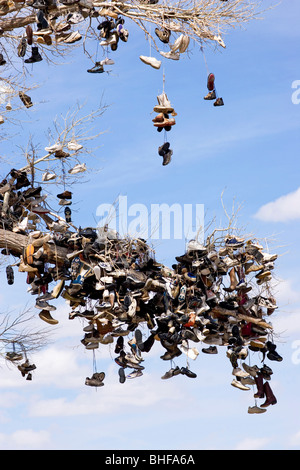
x: 264, y: 390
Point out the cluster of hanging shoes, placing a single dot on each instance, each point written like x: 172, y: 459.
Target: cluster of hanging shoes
x: 110, y: 33
x: 26, y: 367
x: 163, y: 121
x: 212, y: 93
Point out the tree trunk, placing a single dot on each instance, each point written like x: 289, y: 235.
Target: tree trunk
x: 16, y: 243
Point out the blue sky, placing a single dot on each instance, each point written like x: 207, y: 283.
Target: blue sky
x: 247, y: 150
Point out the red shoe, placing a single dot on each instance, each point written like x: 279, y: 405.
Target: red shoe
x: 211, y: 82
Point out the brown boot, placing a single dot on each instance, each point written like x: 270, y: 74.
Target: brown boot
x: 233, y: 281
x: 270, y: 397
x: 260, y: 386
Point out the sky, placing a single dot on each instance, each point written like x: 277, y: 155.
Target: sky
x: 243, y: 155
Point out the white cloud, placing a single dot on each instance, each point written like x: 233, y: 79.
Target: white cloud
x: 109, y: 399
x: 283, y: 209
x: 285, y: 293
x: 252, y: 444
x: 25, y: 439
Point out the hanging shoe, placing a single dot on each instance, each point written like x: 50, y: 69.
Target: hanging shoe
x: 29, y: 35
x: 22, y: 47
x: 164, y: 106
x: 151, y: 61
x: 10, y: 275
x: 46, y: 316
x: 122, y: 377
x: 73, y: 37
x: 211, y: 82
x: 167, y: 157
x: 61, y: 154
x: 53, y: 148
x: 98, y: 68
x: 170, y: 55
x: 68, y: 215
x: 260, y: 393
x: 270, y: 397
x: 219, y: 40
x: 181, y: 44
x: 26, y: 100
x: 256, y: 410
x: 238, y: 384
x: 73, y: 145
x: 107, y: 61
x: 211, y: 95
x: 163, y: 35
x: 159, y: 118
x: 163, y: 149
x: 65, y: 195
x: 210, y: 350
x: 79, y: 168
x: 219, y: 102
x: 188, y: 373
x: 171, y: 373
x: 48, y: 176
x: 35, y: 56
x: 166, y: 123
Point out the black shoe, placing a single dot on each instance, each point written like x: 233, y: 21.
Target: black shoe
x: 68, y: 214
x: 10, y: 275
x: 188, y: 373
x: 210, y: 350
x: 163, y: 149
x: 98, y: 68
x: 119, y: 345
x: 274, y: 356
x: 35, y: 56
x: 2, y: 60
x: 122, y: 377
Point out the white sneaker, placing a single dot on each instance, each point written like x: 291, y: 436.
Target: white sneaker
x: 151, y: 61
x: 112, y: 39
x: 268, y: 258
x: 64, y: 202
x: 53, y: 148
x: 199, y: 334
x: 192, y: 353
x: 230, y: 263
x: 220, y: 41
x: 240, y: 373
x: 237, y: 384
x: 193, y: 245
x: 48, y: 176
x: 73, y: 145
x: 170, y: 55
x: 181, y: 44
x: 79, y: 168
x: 107, y: 61
x: 73, y: 37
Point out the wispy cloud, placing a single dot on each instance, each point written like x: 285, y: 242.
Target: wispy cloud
x: 283, y: 209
